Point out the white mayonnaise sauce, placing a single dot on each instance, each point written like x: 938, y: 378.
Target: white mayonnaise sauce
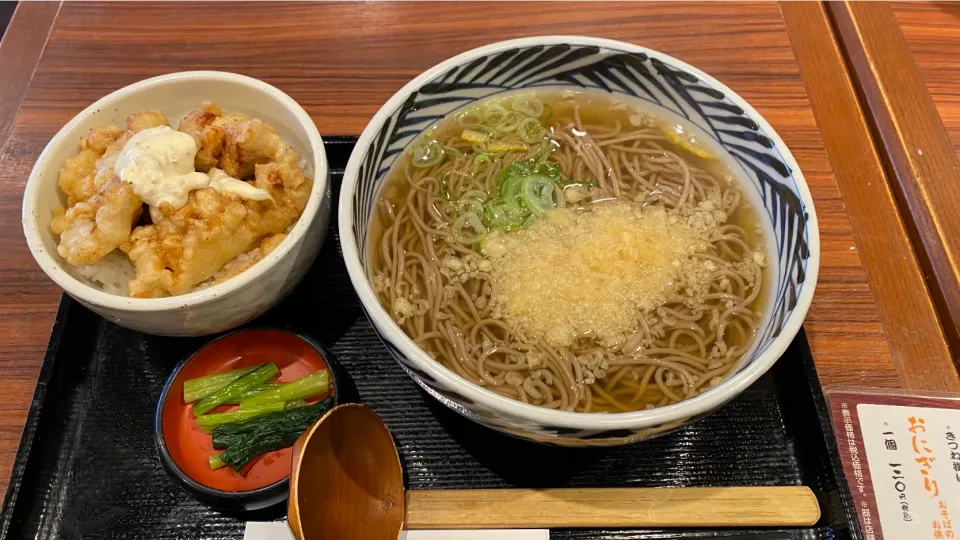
x: 224, y: 183
x: 159, y: 164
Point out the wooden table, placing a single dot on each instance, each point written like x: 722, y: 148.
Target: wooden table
x: 901, y: 55
x: 932, y: 32
x: 872, y: 322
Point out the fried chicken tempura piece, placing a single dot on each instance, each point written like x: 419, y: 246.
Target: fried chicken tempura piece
x: 101, y: 139
x: 92, y: 228
x: 236, y: 142
x: 142, y: 120
x: 76, y: 175
x: 193, y: 243
x: 101, y: 208
x: 209, y: 141
x: 245, y: 261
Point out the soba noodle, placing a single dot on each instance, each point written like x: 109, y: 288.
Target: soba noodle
x: 427, y: 268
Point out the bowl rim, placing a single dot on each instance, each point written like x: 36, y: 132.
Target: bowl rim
x: 685, y: 409
x: 53, y: 266
x: 212, y: 494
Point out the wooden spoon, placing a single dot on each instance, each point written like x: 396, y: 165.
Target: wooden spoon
x: 347, y: 484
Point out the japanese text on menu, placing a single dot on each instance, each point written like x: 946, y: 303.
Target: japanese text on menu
x: 913, y: 456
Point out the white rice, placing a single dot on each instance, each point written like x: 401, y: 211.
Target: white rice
x: 111, y: 274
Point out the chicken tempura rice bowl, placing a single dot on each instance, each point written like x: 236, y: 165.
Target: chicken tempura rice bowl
x: 235, y: 233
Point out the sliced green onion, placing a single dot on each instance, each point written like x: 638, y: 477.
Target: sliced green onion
x: 528, y: 106
x: 470, y: 204
x: 510, y: 185
x: 549, y: 116
x: 496, y: 215
x: 530, y: 130
x: 427, y: 154
x: 510, y: 123
x: 485, y: 129
x: 494, y: 115
x: 505, y: 212
x: 526, y: 189
x: 538, y: 194
x: 463, y: 226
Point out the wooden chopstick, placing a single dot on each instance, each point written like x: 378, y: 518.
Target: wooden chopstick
x: 611, y: 507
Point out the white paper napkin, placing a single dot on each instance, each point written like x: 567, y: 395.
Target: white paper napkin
x: 278, y: 530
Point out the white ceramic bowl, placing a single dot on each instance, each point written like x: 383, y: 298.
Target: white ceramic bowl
x: 669, y: 87
x: 234, y: 301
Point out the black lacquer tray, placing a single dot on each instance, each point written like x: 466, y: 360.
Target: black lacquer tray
x: 87, y: 467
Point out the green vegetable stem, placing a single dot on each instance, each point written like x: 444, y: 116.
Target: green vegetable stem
x: 256, y: 391
x: 240, y: 386
x: 202, y: 387
x: 216, y: 462
x: 302, y: 388
x: 209, y: 421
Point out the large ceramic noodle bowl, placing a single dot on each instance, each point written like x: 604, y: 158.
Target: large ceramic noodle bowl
x: 578, y: 241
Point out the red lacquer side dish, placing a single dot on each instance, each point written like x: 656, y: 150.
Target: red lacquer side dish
x: 191, y: 447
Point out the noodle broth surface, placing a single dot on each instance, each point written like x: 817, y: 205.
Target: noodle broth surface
x: 630, y: 275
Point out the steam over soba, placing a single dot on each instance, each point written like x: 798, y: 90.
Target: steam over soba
x: 570, y: 251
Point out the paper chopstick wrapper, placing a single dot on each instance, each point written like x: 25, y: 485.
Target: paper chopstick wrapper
x: 278, y: 530
x: 490, y: 534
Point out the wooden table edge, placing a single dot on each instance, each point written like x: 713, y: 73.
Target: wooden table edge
x: 920, y: 159
x: 914, y: 331
x: 20, y: 51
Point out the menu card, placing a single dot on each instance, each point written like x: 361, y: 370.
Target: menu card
x: 901, y: 457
